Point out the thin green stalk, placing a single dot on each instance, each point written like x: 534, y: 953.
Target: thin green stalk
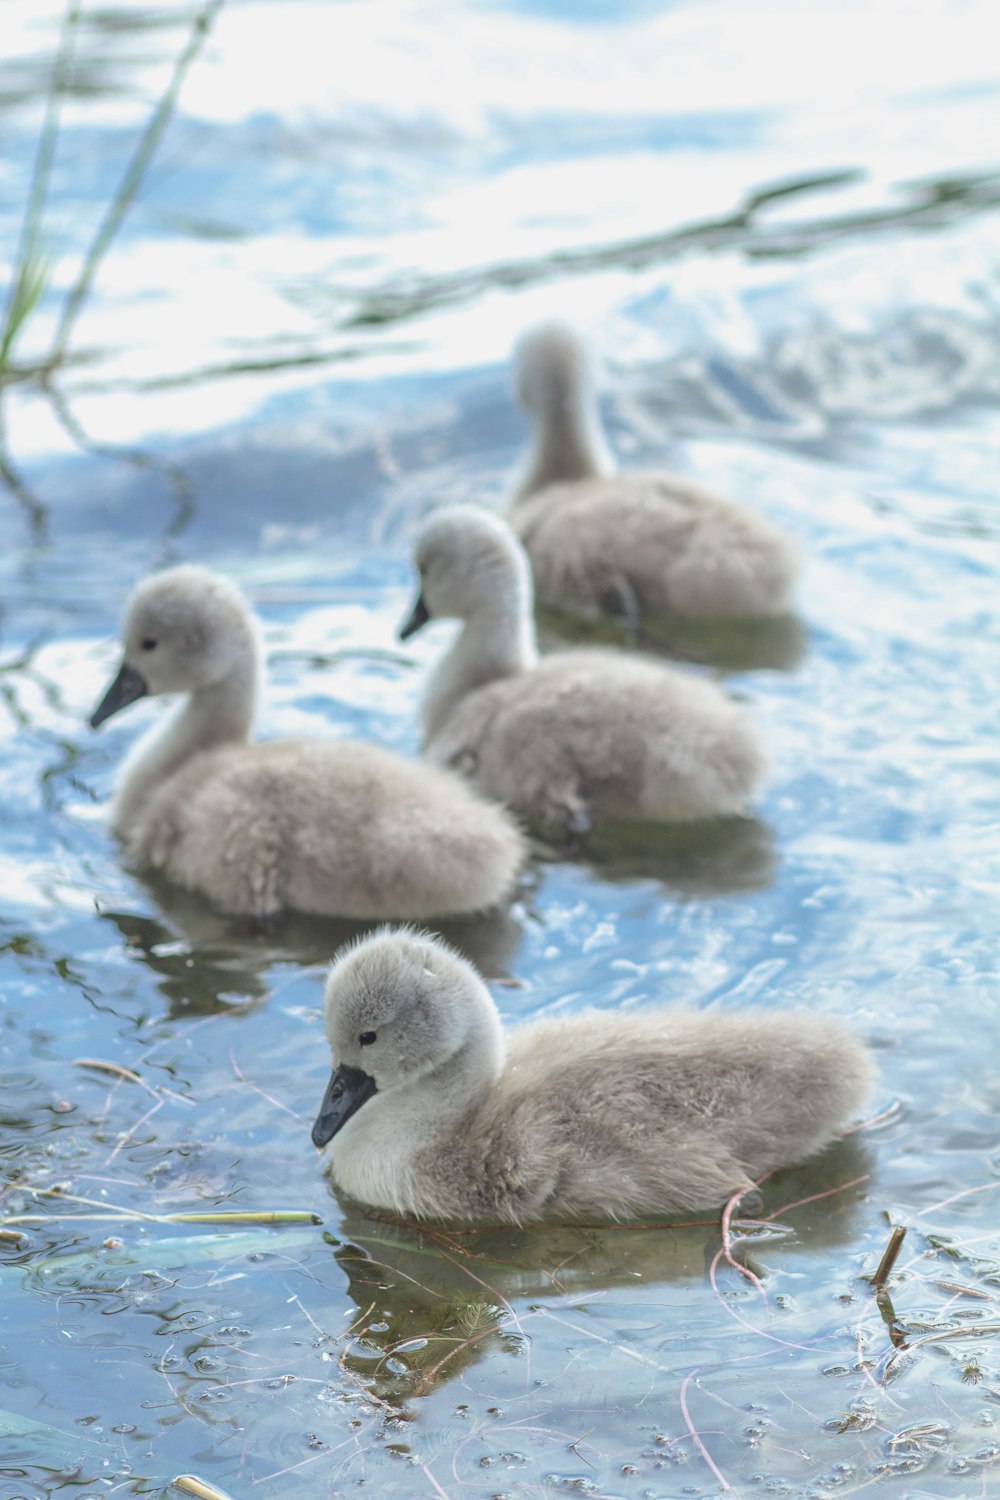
x: 28, y: 284
x: 132, y: 180
x: 26, y: 292
x: 32, y: 265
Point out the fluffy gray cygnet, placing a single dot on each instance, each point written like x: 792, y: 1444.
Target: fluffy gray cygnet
x: 434, y: 1110
x: 323, y: 826
x: 660, y: 544
x: 576, y: 734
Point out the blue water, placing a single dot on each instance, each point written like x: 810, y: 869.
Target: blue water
x: 780, y: 230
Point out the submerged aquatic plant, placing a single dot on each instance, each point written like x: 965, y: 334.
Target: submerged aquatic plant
x: 31, y: 278
x: 33, y: 260
x: 32, y: 264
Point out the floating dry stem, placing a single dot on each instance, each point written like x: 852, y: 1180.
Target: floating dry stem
x: 107, y: 1067
x: 962, y: 1291
x: 981, y: 1330
x: 888, y: 1260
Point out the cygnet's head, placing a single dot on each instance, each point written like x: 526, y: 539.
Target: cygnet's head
x: 400, y: 1006
x: 552, y: 370
x: 468, y: 560
x: 184, y: 629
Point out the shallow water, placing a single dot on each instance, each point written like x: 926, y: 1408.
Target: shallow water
x: 781, y: 230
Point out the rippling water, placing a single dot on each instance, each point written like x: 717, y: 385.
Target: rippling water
x: 780, y: 228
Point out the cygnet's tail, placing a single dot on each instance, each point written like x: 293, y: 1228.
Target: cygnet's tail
x: 832, y: 1084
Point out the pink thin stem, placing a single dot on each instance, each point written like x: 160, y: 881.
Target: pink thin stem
x: 696, y: 1435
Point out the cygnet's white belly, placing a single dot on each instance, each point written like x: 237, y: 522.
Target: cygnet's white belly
x: 370, y: 1158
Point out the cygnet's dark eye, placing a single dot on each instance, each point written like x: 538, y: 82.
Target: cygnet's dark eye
x: 148, y: 644
x: 366, y: 1038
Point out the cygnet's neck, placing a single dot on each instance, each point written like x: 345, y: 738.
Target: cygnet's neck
x: 220, y: 714
x: 568, y: 441
x: 498, y: 640
x: 457, y: 1088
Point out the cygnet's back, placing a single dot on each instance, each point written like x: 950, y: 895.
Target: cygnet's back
x: 578, y: 734
x: 658, y: 544
x: 432, y: 1111
x: 328, y: 827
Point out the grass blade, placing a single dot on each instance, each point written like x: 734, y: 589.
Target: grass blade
x: 172, y: 1254
x: 192, y: 1485
x: 248, y: 1216
x: 43, y: 1437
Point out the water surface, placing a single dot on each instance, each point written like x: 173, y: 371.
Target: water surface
x: 780, y: 229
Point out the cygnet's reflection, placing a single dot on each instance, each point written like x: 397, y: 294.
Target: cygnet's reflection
x: 776, y: 644
x: 705, y: 859
x: 209, y: 962
x: 433, y: 1300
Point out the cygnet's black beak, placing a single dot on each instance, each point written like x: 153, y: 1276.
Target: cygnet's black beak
x: 127, y: 688
x: 415, y: 620
x: 346, y: 1092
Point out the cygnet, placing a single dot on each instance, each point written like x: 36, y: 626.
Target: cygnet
x: 328, y: 827
x: 434, y: 1110
x: 635, y: 544
x: 574, y: 735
